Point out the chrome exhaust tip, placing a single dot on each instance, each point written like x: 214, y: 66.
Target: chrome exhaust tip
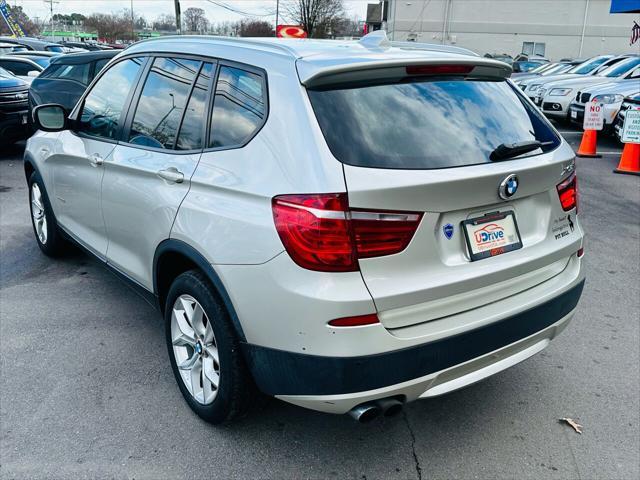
x: 365, y: 412
x: 390, y: 406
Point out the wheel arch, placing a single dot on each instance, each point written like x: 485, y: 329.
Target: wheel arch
x: 173, y: 257
x: 29, y: 166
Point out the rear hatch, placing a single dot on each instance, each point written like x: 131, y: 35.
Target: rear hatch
x: 428, y: 141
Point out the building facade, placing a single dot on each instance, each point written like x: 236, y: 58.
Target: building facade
x: 552, y: 28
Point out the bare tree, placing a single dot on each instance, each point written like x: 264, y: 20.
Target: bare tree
x: 165, y: 22
x: 110, y: 26
x: 255, y: 28
x: 316, y: 16
x: 194, y: 19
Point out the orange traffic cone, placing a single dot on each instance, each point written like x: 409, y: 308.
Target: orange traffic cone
x: 588, y: 144
x: 630, y: 159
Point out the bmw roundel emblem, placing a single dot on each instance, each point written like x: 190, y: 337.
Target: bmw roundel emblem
x: 508, y: 187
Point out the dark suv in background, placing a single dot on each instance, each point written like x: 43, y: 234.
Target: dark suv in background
x: 14, y: 108
x: 67, y: 77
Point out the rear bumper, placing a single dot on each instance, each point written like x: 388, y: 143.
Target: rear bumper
x: 337, y: 384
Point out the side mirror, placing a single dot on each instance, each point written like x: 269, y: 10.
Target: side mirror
x: 33, y: 73
x: 50, y: 117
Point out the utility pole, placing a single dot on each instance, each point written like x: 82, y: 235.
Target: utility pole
x: 178, y: 14
x: 277, y: 15
x: 133, y: 35
x: 51, y: 2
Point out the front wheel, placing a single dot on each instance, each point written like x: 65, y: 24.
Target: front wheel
x: 45, y: 228
x: 204, y: 351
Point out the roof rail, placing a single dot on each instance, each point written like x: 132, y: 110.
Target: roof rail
x: 278, y: 47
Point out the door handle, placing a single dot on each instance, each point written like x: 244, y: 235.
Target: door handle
x: 96, y: 160
x: 171, y: 174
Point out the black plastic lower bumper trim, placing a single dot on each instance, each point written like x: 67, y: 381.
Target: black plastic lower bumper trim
x: 279, y: 372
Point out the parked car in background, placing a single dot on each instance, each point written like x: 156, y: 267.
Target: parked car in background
x: 14, y: 108
x: 610, y: 95
x: 631, y: 102
x: 528, y: 64
x: 503, y: 57
x: 544, y: 70
x: 6, y: 48
x: 556, y: 96
x: 82, y: 45
x: 38, y: 57
x: 531, y: 85
x: 35, y: 44
x: 24, y: 68
x: 67, y: 77
x: 298, y: 240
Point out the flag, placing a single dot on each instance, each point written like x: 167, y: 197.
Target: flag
x: 14, y: 26
x: 635, y: 33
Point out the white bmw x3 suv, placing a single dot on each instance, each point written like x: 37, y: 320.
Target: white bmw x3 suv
x: 346, y: 226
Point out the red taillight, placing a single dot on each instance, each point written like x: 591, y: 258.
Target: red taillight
x: 357, y: 321
x: 439, y: 69
x: 568, y: 192
x: 321, y: 233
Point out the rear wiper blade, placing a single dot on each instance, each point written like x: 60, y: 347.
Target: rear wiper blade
x: 505, y: 151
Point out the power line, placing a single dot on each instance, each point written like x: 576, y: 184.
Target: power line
x: 240, y: 12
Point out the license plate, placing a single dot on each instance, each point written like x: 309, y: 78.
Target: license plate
x: 24, y: 119
x: 574, y: 114
x: 492, y: 234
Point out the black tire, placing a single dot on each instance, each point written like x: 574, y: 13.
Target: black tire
x: 55, y: 245
x: 236, y: 390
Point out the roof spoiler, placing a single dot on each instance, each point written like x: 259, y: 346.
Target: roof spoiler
x: 364, y: 69
x: 412, y: 59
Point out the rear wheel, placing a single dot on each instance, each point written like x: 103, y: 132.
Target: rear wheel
x: 204, y: 351
x: 45, y: 228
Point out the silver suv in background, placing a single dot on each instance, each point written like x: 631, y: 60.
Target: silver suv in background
x: 346, y: 226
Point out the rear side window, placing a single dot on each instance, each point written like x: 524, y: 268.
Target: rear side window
x: 426, y: 124
x: 100, y: 65
x: 239, y: 107
x: 77, y: 73
x: 103, y: 106
x: 162, y: 102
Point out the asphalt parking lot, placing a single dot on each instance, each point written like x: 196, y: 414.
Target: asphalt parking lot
x: 87, y: 392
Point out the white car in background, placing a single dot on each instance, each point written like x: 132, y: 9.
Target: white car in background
x: 610, y: 95
x: 591, y: 66
x: 555, y: 97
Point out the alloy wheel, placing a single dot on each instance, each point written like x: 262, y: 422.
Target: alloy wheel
x: 38, y: 213
x: 195, y: 349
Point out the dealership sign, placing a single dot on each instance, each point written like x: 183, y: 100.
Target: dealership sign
x: 593, y: 116
x: 290, y: 31
x: 631, y: 128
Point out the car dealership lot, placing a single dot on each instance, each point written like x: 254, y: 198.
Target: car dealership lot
x: 86, y: 390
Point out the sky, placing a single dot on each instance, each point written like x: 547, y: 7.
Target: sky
x: 151, y: 9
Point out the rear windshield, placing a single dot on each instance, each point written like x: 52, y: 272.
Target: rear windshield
x: 427, y: 124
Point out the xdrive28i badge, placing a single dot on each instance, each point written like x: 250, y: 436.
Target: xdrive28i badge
x: 508, y: 187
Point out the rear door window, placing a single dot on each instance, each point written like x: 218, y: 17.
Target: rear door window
x: 426, y: 123
x: 77, y: 73
x: 162, y: 102
x: 192, y: 128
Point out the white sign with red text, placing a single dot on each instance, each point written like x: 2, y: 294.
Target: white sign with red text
x: 593, y: 116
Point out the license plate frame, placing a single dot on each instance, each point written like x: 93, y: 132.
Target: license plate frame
x: 497, y: 246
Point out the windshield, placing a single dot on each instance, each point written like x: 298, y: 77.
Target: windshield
x: 426, y: 124
x: 589, y: 65
x: 543, y: 67
x: 5, y: 73
x: 55, y: 48
x: 620, y: 68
